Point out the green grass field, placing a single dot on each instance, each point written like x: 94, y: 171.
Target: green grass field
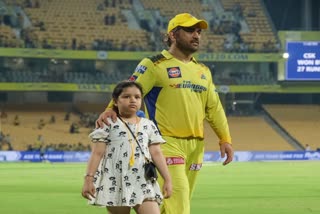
x: 240, y: 188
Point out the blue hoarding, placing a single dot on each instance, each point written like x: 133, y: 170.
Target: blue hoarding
x: 239, y: 156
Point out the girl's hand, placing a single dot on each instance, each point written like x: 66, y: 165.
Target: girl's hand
x: 88, y: 189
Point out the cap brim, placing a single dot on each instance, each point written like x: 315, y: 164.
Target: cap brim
x: 202, y: 24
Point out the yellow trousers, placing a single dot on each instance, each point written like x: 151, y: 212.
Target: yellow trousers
x: 184, y: 159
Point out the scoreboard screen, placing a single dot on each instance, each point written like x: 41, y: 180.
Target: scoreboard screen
x: 303, y: 61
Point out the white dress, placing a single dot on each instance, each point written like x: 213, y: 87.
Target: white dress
x: 116, y: 182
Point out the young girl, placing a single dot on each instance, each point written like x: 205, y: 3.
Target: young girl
x: 115, y: 171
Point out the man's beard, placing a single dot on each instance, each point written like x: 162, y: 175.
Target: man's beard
x: 186, y: 47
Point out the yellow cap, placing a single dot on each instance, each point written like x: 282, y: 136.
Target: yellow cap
x: 186, y: 20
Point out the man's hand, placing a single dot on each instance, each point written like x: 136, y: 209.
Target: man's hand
x: 108, y: 113
x: 226, y: 148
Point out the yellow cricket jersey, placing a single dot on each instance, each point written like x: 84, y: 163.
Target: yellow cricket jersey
x: 179, y: 96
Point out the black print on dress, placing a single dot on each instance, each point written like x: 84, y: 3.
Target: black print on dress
x: 100, y: 188
x: 133, y: 195
x: 143, y: 186
x: 110, y: 203
x: 122, y: 134
x: 112, y: 189
x: 124, y: 200
x: 135, y: 170
x: 153, y: 127
x: 148, y: 191
x: 107, y: 129
x: 136, y: 155
x: 109, y: 155
x: 157, y: 196
x: 106, y: 170
x: 128, y: 184
x: 156, y: 132
x: 113, y: 149
x: 125, y: 154
x: 116, y: 126
x: 131, y: 201
x: 140, y: 134
x: 145, y: 127
x: 126, y: 178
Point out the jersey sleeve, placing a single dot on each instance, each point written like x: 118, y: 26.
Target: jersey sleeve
x: 145, y: 75
x: 216, y: 116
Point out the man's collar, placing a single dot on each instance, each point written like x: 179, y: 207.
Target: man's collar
x: 168, y: 55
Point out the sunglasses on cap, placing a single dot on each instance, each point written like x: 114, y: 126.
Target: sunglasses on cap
x: 189, y: 29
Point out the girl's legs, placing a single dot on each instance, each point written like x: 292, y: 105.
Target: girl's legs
x: 118, y: 210
x: 147, y: 207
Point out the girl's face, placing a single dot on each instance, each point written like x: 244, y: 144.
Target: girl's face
x: 129, y: 101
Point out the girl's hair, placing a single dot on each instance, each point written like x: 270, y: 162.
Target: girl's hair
x: 119, y: 89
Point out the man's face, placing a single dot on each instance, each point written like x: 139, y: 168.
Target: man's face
x: 188, y: 38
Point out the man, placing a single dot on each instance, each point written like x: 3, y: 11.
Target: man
x: 179, y: 95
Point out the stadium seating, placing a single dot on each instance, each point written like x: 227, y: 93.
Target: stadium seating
x: 80, y: 24
x: 8, y: 38
x: 301, y: 121
x: 53, y: 133
x: 249, y: 134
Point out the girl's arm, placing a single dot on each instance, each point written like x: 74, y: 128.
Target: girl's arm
x: 98, y: 150
x: 162, y: 167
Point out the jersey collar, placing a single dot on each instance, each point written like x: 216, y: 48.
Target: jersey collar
x: 168, y: 55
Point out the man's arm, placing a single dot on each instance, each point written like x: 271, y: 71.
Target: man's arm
x: 217, y: 119
x: 216, y: 116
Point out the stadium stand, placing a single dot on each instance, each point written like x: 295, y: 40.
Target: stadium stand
x: 79, y: 24
x: 8, y: 38
x: 250, y: 133
x: 56, y: 135
x: 235, y: 26
x: 301, y: 121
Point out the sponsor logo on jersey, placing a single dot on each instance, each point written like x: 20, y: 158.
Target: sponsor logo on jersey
x: 195, y: 166
x: 133, y: 78
x: 189, y: 84
x: 174, y: 160
x: 203, y: 77
x: 174, y: 72
x: 140, y: 69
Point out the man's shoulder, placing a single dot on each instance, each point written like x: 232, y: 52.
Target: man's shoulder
x: 201, y: 64
x: 157, y: 58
